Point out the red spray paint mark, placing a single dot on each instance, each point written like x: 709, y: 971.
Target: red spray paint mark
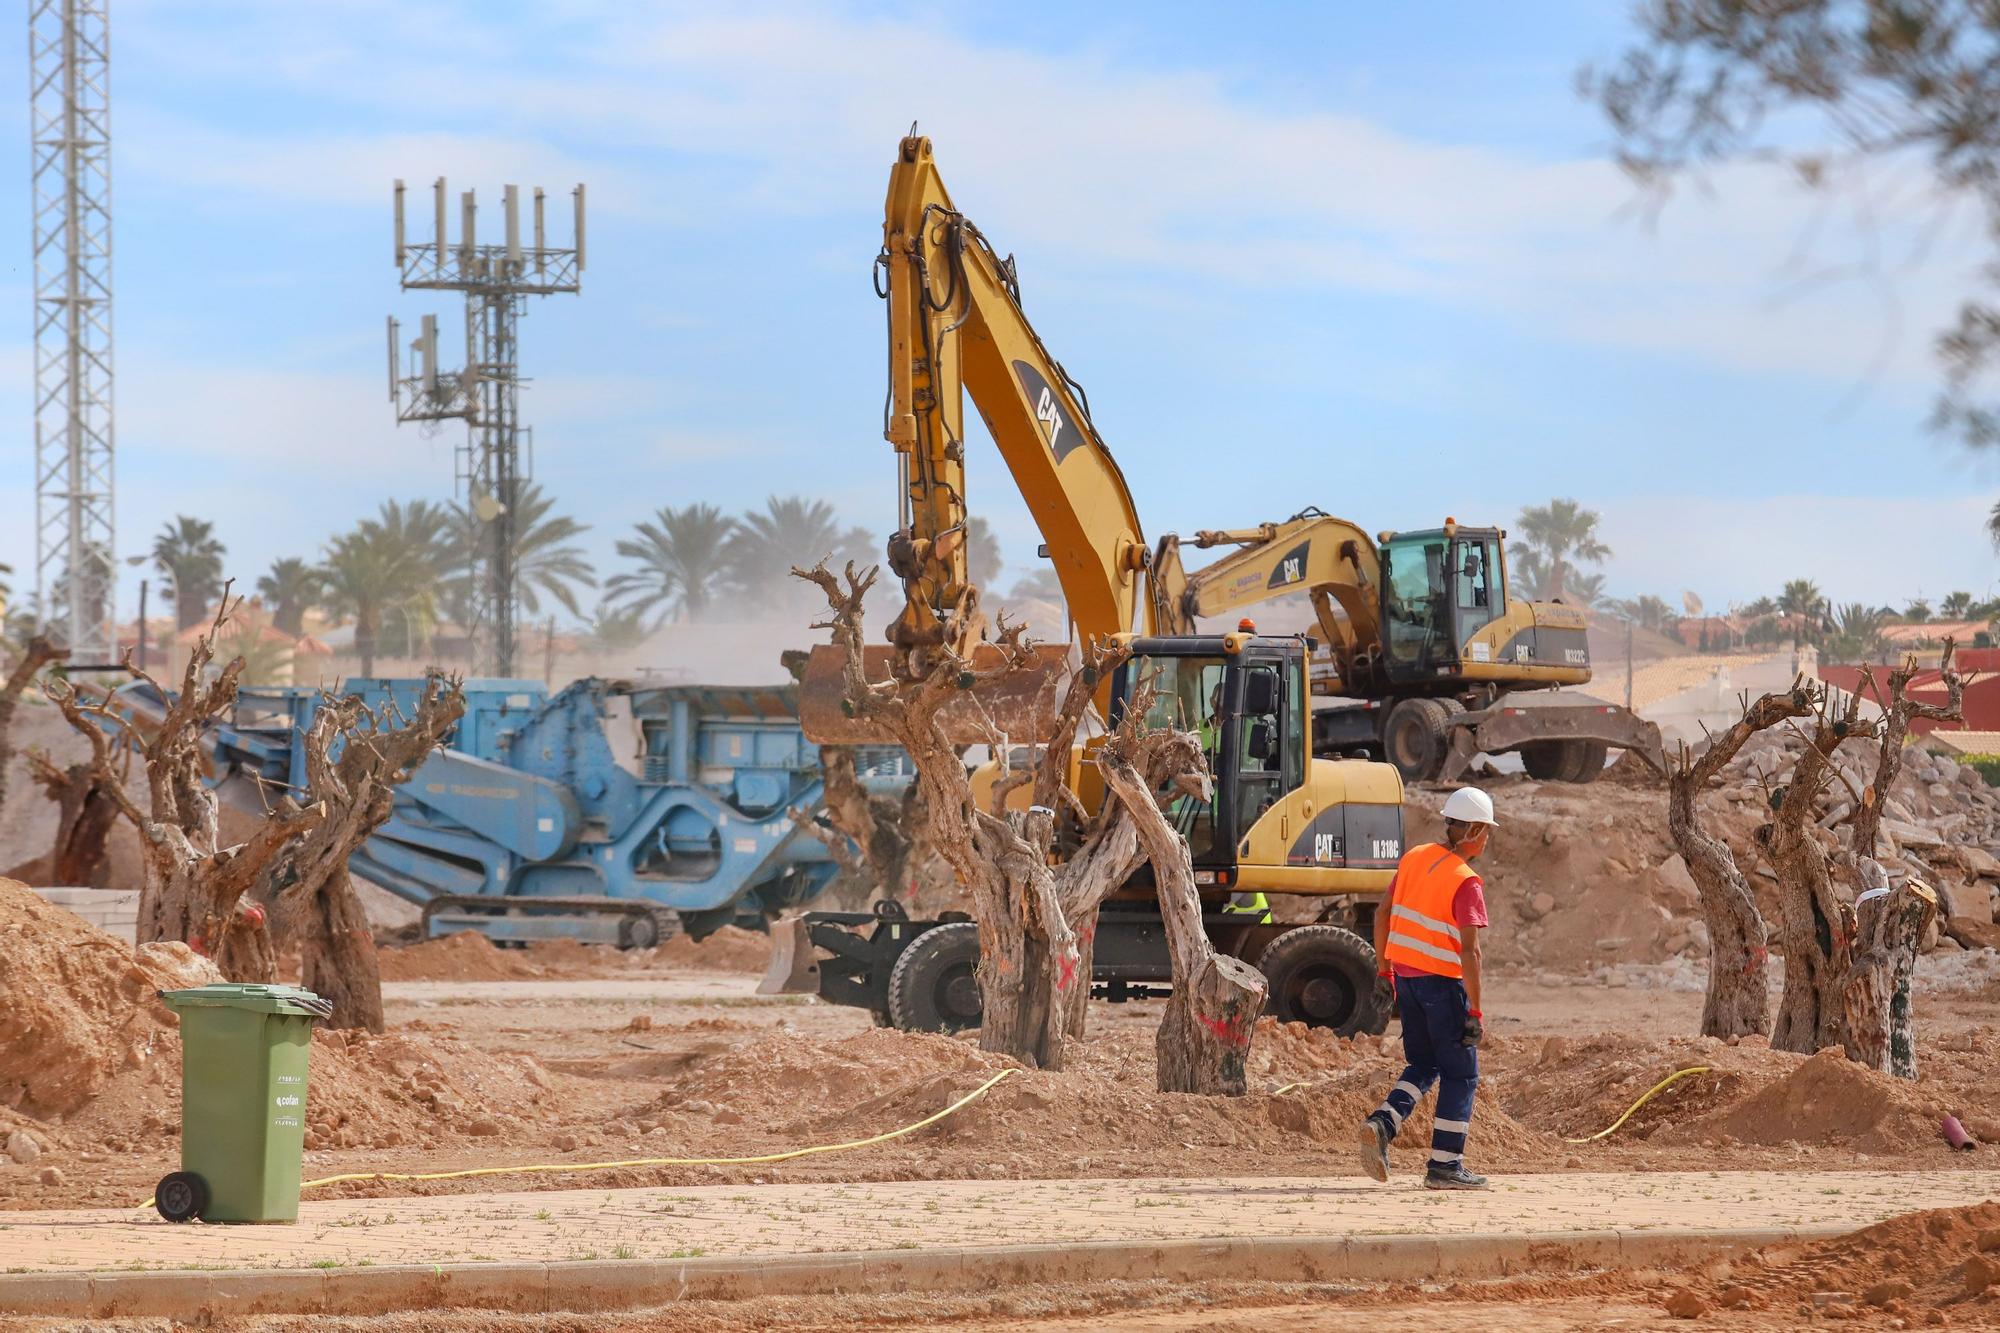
x: 1229, y: 1034
x: 1068, y: 971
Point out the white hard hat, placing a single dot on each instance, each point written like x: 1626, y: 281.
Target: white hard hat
x: 1469, y: 805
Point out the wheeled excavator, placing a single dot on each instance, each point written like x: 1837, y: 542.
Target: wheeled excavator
x: 1425, y: 660
x: 1282, y: 821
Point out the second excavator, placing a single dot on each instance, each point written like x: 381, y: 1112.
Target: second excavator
x: 1424, y: 659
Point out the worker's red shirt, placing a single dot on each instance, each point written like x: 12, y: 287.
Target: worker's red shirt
x: 1468, y: 908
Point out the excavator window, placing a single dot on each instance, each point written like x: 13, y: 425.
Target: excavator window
x: 1260, y: 776
x: 1188, y: 692
x: 1477, y: 563
x: 1416, y: 596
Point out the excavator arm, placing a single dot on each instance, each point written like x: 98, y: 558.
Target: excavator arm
x: 956, y: 327
x: 1329, y: 558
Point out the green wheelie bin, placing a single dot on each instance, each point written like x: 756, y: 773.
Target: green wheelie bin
x: 244, y: 1050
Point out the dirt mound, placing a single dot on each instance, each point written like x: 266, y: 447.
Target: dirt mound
x: 464, y: 956
x: 1827, y: 1100
x: 78, y: 1007
x: 1750, y: 1095
x: 1102, y: 1109
x: 727, y: 950
x: 1945, y: 1261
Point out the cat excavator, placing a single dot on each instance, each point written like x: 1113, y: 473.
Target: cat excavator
x: 1424, y: 659
x: 1282, y: 820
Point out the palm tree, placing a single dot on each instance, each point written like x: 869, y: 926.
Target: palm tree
x: 791, y: 530
x: 388, y: 565
x: 1586, y: 590
x: 618, y: 631
x: 1554, y: 538
x: 288, y: 590
x: 683, y: 557
x: 1993, y: 525
x: 1956, y: 606
x: 1648, y: 612
x: 982, y: 553
x: 1857, y: 633
x: 1805, y: 604
x: 1760, y: 608
x: 1917, y: 612
x: 188, y: 555
x: 545, y: 559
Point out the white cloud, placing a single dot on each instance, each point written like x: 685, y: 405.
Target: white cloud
x: 1089, y: 163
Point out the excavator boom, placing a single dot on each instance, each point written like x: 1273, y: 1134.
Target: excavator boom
x: 955, y: 328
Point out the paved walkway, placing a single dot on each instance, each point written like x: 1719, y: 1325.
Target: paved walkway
x: 753, y: 1221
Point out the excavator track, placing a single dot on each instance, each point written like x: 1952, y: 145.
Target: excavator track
x: 620, y: 921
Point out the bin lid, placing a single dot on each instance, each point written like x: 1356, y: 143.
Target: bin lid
x: 250, y: 995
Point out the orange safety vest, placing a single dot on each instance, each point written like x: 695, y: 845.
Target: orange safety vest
x: 1422, y: 933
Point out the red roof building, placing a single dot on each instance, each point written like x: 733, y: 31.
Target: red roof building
x: 1979, y: 666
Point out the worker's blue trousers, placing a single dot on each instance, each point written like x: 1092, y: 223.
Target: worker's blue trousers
x: 1434, y: 1012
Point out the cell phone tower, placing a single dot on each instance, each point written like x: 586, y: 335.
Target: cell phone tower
x: 69, y: 117
x: 497, y: 281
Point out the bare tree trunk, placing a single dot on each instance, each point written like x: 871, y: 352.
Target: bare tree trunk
x: 195, y: 886
x: 1739, y: 997
x: 1203, y: 1043
x: 1889, y: 929
x: 355, y: 788
x: 1812, y: 933
x: 337, y: 953
x: 1816, y: 927
x: 1738, y: 1002
x: 38, y: 654
x: 1889, y: 923
x: 85, y: 814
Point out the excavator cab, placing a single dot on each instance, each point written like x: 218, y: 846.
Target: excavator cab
x: 1279, y: 820
x: 1440, y: 589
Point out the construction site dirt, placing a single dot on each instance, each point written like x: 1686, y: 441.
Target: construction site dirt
x: 563, y: 1054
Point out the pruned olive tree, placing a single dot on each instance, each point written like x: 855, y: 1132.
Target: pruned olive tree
x: 1738, y: 999
x: 1036, y: 920
x: 196, y: 884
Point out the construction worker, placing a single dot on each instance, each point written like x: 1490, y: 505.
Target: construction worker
x: 1427, y: 939
x: 1254, y: 903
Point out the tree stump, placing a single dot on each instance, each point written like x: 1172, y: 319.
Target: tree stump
x: 1889, y: 930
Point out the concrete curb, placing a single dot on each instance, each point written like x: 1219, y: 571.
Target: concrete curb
x: 562, y: 1287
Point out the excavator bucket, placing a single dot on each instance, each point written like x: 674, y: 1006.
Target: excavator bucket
x: 1023, y: 704
x: 793, y: 969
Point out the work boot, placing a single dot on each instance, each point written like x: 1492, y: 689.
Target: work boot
x: 1375, y: 1147
x: 1453, y: 1177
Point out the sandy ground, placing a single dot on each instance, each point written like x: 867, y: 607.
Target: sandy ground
x: 670, y: 1061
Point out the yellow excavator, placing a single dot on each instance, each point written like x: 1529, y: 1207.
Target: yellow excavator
x: 1282, y: 819
x: 1425, y: 660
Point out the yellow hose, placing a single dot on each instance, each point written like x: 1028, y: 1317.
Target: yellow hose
x: 1666, y: 1082
x: 786, y: 1156
x: 1606, y: 1132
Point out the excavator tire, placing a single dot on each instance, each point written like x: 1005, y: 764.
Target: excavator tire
x: 1546, y: 761
x: 1586, y: 760
x: 1324, y: 976
x: 1413, y: 738
x: 933, y: 988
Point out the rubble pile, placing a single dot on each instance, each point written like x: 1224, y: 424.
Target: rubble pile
x: 1939, y: 822
x: 1583, y: 880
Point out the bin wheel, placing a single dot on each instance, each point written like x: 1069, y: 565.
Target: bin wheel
x: 181, y: 1197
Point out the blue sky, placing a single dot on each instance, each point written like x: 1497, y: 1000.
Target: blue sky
x: 1369, y: 258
